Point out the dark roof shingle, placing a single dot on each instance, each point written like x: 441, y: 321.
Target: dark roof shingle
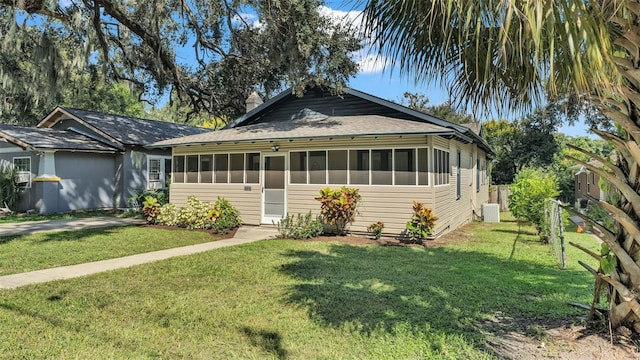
x: 45, y: 138
x: 134, y: 131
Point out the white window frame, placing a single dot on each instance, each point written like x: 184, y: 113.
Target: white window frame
x: 163, y: 172
x: 23, y: 172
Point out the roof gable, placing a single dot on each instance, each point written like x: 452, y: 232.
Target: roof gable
x: 45, y: 138
x: 124, y: 130
x: 286, y: 107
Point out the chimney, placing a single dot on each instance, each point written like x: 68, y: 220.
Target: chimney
x: 253, y: 101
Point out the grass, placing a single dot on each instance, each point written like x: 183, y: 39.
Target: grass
x: 46, y: 250
x: 21, y: 217
x: 280, y: 299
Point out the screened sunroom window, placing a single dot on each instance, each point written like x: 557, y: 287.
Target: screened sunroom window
x: 192, y: 168
x: 298, y: 167
x: 337, y: 166
x: 317, y: 167
x: 359, y: 167
x: 221, y: 171
x: 405, y: 166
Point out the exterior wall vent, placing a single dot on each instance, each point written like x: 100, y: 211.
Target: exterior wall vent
x: 491, y: 212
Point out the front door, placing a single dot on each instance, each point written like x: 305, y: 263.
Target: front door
x: 274, y: 192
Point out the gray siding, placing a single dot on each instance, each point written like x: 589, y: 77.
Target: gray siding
x: 86, y: 181
x: 28, y: 195
x: 131, y: 172
x: 325, y: 103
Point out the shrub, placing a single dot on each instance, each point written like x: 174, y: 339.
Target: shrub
x: 421, y: 224
x: 224, y: 216
x: 299, y: 227
x: 168, y: 215
x: 339, y: 207
x: 528, y: 195
x: 137, y: 200
x: 9, y: 190
x: 150, y: 209
x: 196, y: 215
x: 375, y: 229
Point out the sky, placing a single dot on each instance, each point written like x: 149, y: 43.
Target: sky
x: 388, y: 83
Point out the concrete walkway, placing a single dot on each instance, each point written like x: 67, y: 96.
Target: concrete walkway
x: 32, y: 227
x: 245, y: 234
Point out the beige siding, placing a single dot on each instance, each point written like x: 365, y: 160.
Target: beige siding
x: 389, y: 204
x: 247, y: 201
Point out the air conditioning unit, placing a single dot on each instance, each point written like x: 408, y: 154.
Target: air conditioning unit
x: 23, y: 178
x: 491, y: 212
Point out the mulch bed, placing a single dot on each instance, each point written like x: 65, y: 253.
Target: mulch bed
x: 228, y: 235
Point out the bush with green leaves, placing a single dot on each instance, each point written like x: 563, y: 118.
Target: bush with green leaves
x: 375, y: 229
x: 421, y: 225
x: 196, y: 215
x: 168, y: 215
x: 339, y: 206
x: 299, y: 227
x: 137, y: 200
x: 9, y: 189
x: 224, y: 216
x: 531, y: 189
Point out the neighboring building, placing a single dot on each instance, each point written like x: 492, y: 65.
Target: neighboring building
x: 77, y: 159
x: 587, y: 186
x: 274, y: 160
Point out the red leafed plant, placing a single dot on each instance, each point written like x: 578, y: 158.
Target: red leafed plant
x: 338, y: 206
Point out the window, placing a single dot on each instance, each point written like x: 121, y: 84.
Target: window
x: 317, y: 167
x: 158, y: 168
x: 206, y: 169
x: 381, y: 165
x: 441, y: 167
x: 298, y: 167
x: 23, y: 168
x: 253, y: 168
x: 178, y: 169
x: 423, y: 166
x: 155, y: 167
x: 478, y: 169
x: 405, y: 166
x: 236, y: 169
x: 192, y: 168
x: 359, y: 167
x: 221, y: 168
x: 338, y: 161
x: 459, y: 176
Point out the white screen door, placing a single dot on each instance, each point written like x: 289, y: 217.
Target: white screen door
x: 274, y: 192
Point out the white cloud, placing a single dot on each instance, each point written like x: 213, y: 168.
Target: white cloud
x: 370, y: 64
x: 367, y: 63
x: 247, y: 18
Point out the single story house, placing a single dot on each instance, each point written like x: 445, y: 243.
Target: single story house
x: 274, y: 160
x: 77, y: 159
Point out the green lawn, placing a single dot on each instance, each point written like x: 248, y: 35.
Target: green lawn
x: 300, y: 300
x: 46, y: 250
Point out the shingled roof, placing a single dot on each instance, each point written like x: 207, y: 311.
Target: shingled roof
x: 126, y: 130
x: 320, y: 114
x: 314, y: 126
x: 45, y: 138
